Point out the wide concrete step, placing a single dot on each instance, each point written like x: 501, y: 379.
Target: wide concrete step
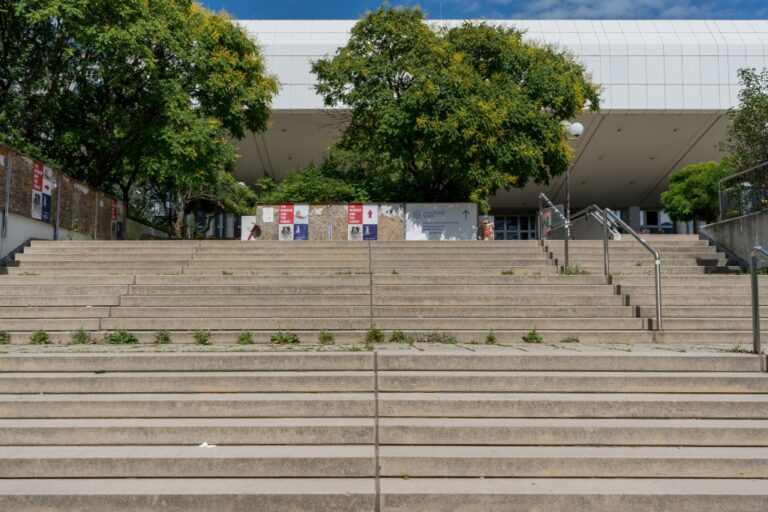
x: 184, y: 461
x: 491, y: 360
x: 296, y: 323
x: 64, y: 312
x: 574, y: 432
x: 25, y: 280
x: 505, y: 323
x: 256, y: 310
x: 576, y: 382
x: 221, y: 279
x: 393, y: 279
x: 465, y: 405
x: 262, y: 461
x: 573, y: 405
x: 92, y: 272
x: 396, y: 381
x: 394, y: 431
x: 497, y: 300
x: 255, y: 289
x: 573, y: 495
x: 397, y: 494
x: 73, y: 289
x: 700, y: 311
x: 488, y: 311
x: 59, y: 300
x: 565, y: 462
x: 192, y: 382
x: 682, y: 280
x: 250, y: 361
x: 494, y: 289
x: 195, y: 405
x: 127, y: 264
x: 246, y: 300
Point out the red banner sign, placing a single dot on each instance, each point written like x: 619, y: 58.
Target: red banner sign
x: 114, y: 209
x: 285, y: 214
x: 355, y: 214
x: 37, y: 176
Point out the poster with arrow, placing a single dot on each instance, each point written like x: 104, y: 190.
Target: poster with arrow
x: 362, y: 222
x: 441, y: 221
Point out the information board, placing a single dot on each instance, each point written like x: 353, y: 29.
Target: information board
x: 441, y: 221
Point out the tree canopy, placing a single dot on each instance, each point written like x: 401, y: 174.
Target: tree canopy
x: 450, y: 114
x: 747, y: 140
x: 310, y: 185
x: 132, y: 93
x: 693, y: 193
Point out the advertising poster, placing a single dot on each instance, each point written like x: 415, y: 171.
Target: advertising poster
x: 293, y: 221
x: 362, y: 222
x: 47, y: 193
x: 268, y: 215
x: 441, y: 221
x: 37, y: 190
x: 114, y: 209
x: 301, y: 222
x: 249, y: 228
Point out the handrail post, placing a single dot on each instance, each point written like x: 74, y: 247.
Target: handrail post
x: 567, y: 236
x: 755, y: 307
x: 657, y: 267
x: 606, y: 262
x: 757, y: 251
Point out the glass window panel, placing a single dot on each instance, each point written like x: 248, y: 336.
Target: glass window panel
x: 498, y: 223
x: 524, y: 223
x: 498, y: 235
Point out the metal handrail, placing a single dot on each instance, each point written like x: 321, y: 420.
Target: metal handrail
x: 757, y: 251
x: 543, y: 197
x: 731, y: 177
x: 586, y: 211
x: 657, y: 261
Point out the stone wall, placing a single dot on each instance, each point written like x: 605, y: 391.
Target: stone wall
x: 329, y: 222
x: 83, y: 209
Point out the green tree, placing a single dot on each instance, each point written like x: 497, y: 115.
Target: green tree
x: 452, y: 114
x: 132, y: 92
x: 310, y: 185
x: 747, y: 139
x: 693, y: 193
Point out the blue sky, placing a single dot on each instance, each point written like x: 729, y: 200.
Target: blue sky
x: 500, y: 9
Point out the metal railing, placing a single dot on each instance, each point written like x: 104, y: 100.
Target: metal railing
x: 757, y: 252
x: 607, y: 217
x: 744, y: 192
x: 542, y: 200
x: 656, y: 260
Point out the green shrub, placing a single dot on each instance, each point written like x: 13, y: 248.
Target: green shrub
x: 120, y: 337
x: 80, y: 337
x: 533, y: 337
x: 509, y: 272
x: 491, y: 338
x: 40, y: 338
x: 245, y: 338
x: 325, y: 338
x: 374, y: 336
x: 285, y: 338
x: 570, y: 339
x: 162, y: 337
x: 5, y: 338
x: 202, y: 337
x: 400, y: 337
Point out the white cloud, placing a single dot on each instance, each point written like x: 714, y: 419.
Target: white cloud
x: 615, y: 9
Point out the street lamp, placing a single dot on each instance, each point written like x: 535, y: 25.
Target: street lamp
x: 574, y: 131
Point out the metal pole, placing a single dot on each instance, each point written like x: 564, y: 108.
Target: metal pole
x: 657, y: 267
x: 7, y: 194
x: 755, y: 305
x: 567, y: 214
x: 605, y: 244
x: 538, y: 220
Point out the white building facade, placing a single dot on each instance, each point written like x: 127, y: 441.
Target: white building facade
x: 666, y: 87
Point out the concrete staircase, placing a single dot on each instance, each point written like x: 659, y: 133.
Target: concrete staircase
x: 448, y: 429
x: 701, y: 294
x: 439, y: 291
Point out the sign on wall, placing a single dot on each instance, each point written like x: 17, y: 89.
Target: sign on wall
x: 249, y: 228
x: 441, y: 221
x: 293, y: 221
x: 37, y: 190
x: 362, y: 222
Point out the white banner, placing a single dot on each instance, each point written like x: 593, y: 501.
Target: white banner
x: 441, y: 221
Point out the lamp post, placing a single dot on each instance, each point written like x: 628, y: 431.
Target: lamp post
x: 574, y: 131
